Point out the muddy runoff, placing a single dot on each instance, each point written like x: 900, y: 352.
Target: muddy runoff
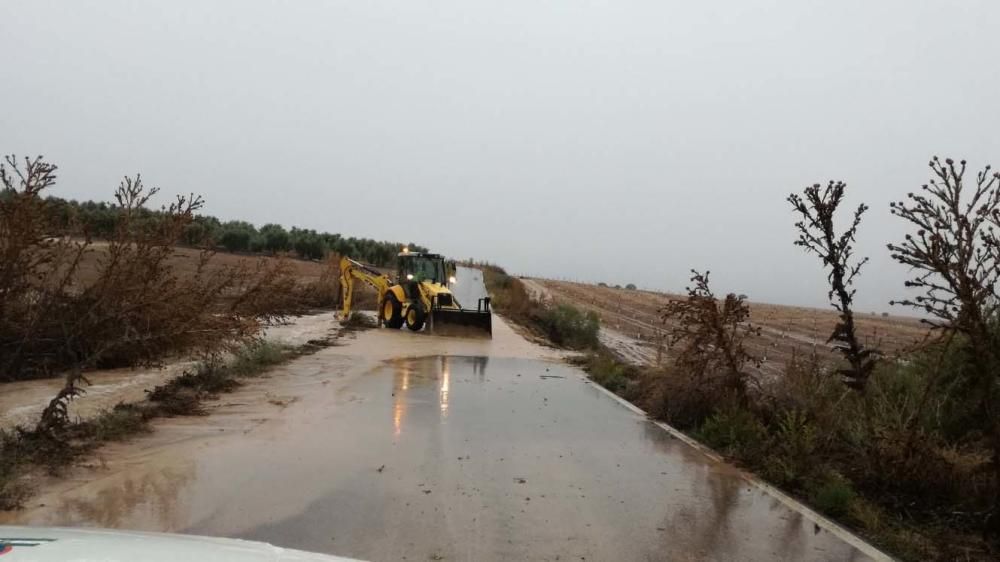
x: 22, y: 402
x: 400, y: 446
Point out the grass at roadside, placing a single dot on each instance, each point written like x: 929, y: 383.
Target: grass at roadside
x: 813, y: 440
x: 23, y: 450
x: 562, y: 324
x: 623, y: 379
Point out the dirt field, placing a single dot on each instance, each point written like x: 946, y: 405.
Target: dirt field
x: 633, y: 326
x: 185, y: 261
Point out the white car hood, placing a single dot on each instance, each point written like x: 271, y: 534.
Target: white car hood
x: 50, y: 544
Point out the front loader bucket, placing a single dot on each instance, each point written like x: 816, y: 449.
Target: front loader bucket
x: 453, y: 321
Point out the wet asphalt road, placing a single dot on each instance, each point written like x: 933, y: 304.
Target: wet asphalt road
x: 459, y: 458
x: 399, y: 446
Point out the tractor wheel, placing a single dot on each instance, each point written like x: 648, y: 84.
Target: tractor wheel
x: 391, y: 312
x: 415, y: 317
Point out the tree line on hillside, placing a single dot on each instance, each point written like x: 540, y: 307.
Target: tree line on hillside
x: 100, y: 220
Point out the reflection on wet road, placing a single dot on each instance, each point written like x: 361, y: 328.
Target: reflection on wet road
x: 460, y: 458
x: 478, y: 459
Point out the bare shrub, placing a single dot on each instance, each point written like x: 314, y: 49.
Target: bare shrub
x: 137, y: 310
x: 12, y: 490
x: 954, y: 250
x: 508, y: 293
x: 36, y: 268
x: 817, y: 234
x: 711, y: 357
x: 325, y: 292
x: 955, y: 256
x: 805, y: 385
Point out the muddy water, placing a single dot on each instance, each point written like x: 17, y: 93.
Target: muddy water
x: 498, y: 455
x: 22, y: 402
x: 513, y: 460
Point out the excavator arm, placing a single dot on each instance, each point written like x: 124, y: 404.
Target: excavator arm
x: 350, y: 271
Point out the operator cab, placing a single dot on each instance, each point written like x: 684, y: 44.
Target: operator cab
x: 415, y: 266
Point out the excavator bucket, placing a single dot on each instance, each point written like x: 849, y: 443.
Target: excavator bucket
x: 463, y: 322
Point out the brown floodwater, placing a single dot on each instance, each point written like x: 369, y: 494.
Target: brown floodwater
x: 494, y: 455
x: 22, y: 402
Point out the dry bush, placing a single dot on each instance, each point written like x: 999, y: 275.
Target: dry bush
x: 708, y: 366
x: 817, y: 234
x: 508, y: 294
x: 805, y: 385
x: 708, y: 336
x: 560, y: 323
x: 954, y: 252
x: 36, y: 268
x: 897, y: 444
x: 137, y: 310
x: 324, y: 292
x: 956, y: 259
x: 913, y: 458
x: 672, y: 394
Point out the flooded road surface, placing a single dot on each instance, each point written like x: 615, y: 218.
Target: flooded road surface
x: 467, y: 458
x: 498, y: 455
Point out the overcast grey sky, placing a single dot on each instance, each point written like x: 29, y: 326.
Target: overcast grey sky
x: 620, y: 141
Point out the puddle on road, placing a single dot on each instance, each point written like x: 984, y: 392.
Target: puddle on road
x: 463, y: 458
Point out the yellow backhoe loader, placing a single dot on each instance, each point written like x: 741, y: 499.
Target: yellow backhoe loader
x: 420, y: 295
